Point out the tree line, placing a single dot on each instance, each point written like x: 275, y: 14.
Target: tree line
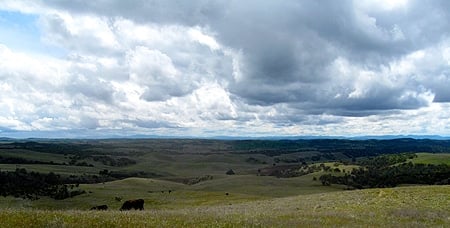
x: 349, y: 148
x: 33, y: 185
x: 390, y: 171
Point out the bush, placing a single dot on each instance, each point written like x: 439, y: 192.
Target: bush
x: 230, y: 172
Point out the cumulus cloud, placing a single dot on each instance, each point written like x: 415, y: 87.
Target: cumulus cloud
x: 296, y: 67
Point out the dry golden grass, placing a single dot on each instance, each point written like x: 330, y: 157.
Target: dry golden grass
x: 418, y: 206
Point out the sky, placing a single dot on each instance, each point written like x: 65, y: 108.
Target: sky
x: 202, y: 68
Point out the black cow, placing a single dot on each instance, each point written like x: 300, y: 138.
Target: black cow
x: 133, y: 204
x: 100, y: 208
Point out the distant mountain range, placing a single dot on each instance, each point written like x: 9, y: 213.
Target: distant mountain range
x: 381, y: 137
x: 370, y: 137
x: 376, y: 137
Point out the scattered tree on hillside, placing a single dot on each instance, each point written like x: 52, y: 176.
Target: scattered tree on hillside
x: 32, y: 185
x: 390, y: 171
x: 230, y: 172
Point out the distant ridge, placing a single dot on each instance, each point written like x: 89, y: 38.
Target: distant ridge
x: 117, y: 135
x: 370, y: 137
x: 386, y: 137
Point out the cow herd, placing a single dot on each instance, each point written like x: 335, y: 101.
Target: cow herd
x: 136, y: 204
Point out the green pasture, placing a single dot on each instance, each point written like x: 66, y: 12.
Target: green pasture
x: 431, y: 158
x: 37, y: 156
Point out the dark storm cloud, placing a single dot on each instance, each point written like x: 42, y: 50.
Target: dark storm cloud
x: 439, y: 81
x: 443, y: 95
x: 289, y: 48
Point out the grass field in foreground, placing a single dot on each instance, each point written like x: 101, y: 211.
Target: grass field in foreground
x: 416, y: 206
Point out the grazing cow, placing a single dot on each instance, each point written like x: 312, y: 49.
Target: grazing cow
x: 100, y: 208
x: 133, y: 204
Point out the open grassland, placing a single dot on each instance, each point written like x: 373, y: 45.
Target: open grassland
x: 184, y: 183
x: 178, y: 159
x: 418, y: 206
x: 240, y: 188
x: 163, y: 158
x: 429, y: 158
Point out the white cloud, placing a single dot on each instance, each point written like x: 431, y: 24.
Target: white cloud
x: 155, y: 71
x: 80, y: 33
x: 385, y: 5
x: 27, y: 6
x: 197, y: 35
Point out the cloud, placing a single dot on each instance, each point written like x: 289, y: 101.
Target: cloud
x: 157, y: 73
x: 292, y: 67
x: 84, y: 34
x: 91, y: 88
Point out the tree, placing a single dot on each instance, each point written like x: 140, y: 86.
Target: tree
x: 230, y: 172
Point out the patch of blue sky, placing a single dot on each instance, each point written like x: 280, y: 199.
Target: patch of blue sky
x: 21, y: 32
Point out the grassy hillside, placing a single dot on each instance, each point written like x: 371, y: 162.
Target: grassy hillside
x: 429, y: 158
x: 424, y: 206
x: 162, y: 158
x: 185, y: 158
x: 240, y: 188
x: 193, y: 170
